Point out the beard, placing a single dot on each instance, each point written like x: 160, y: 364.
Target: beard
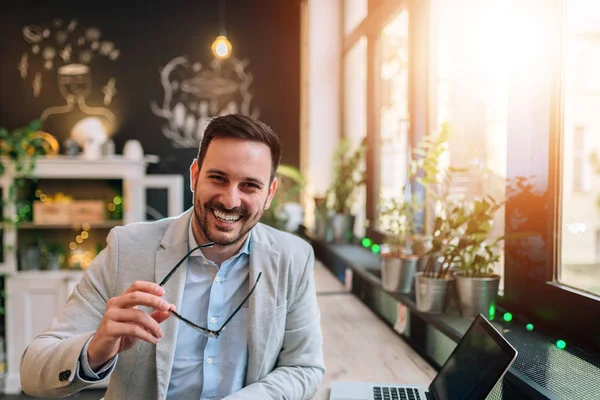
x: 223, y: 236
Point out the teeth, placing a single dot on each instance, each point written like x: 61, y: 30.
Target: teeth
x: 226, y: 217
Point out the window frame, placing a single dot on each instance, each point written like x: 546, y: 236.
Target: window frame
x: 381, y: 12
x: 534, y: 292
x: 531, y: 293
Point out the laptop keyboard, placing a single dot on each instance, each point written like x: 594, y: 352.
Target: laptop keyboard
x: 395, y: 393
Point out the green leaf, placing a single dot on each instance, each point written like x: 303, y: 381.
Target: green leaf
x: 291, y: 172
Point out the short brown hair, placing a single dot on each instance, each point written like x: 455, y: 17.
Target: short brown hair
x: 238, y: 126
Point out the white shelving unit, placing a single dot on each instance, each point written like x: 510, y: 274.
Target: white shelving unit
x: 34, y: 297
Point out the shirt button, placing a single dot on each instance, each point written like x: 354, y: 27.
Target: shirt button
x: 213, y: 320
x: 205, y: 262
x: 209, y: 360
x: 217, y: 279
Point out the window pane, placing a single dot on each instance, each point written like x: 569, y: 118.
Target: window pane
x: 393, y: 101
x: 471, y: 87
x: 580, y: 210
x: 355, y: 113
x: 354, y: 12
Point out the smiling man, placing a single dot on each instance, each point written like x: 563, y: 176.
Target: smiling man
x: 151, y: 311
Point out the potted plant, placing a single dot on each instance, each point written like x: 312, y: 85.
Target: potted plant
x: 433, y: 281
x: 433, y: 285
x: 398, y: 264
x: 323, y: 229
x: 279, y: 215
x: 348, y: 176
x: 52, y: 256
x: 476, y: 253
x: 19, y: 150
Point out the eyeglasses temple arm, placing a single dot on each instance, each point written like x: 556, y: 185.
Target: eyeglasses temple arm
x: 187, y: 321
x: 166, y: 279
x: 241, y: 304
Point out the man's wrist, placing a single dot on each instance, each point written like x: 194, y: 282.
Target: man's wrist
x: 97, y: 372
x: 93, y: 361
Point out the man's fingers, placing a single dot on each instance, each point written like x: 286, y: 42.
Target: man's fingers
x: 137, y: 298
x: 144, y: 286
x: 120, y: 329
x: 137, y: 317
x: 160, y: 316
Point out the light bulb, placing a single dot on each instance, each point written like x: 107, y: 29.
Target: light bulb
x: 221, y: 47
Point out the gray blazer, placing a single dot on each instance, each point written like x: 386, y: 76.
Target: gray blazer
x: 285, y: 345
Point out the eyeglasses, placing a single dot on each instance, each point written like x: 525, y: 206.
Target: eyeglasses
x: 206, y: 331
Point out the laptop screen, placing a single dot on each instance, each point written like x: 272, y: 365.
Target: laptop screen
x: 475, y: 366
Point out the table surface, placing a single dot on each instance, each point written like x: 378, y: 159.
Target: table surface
x: 357, y: 345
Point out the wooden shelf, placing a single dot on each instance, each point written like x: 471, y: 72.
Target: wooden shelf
x: 93, y: 225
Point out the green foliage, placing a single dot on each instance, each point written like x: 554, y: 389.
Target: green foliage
x: 290, y: 183
x: 462, y: 238
x: 428, y: 169
x: 348, y: 175
x: 397, y: 216
x: 426, y: 164
x: 19, y: 149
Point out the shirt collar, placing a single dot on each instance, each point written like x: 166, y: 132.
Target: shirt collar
x: 192, y: 243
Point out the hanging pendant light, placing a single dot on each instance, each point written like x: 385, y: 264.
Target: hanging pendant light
x: 221, y: 47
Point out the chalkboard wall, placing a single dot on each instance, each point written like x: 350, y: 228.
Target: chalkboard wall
x: 120, y: 49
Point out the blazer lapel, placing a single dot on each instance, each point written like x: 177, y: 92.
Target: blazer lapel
x: 262, y: 303
x: 175, y: 244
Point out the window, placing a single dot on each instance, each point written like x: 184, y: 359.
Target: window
x: 581, y: 160
x: 580, y: 208
x: 552, y: 138
x: 470, y: 77
x: 375, y: 95
x: 393, y: 107
x: 354, y: 13
x: 597, y: 247
x: 521, y: 98
x: 355, y: 113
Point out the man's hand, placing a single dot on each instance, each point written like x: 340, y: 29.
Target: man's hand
x: 123, y: 324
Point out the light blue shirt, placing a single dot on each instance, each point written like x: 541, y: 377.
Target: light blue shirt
x: 203, y: 367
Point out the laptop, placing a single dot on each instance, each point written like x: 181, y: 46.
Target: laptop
x: 477, y: 363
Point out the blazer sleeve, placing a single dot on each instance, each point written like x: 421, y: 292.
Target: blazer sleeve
x: 50, y: 364
x: 300, y: 366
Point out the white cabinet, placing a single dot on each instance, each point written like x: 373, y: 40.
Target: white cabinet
x: 33, y: 298
x: 32, y: 301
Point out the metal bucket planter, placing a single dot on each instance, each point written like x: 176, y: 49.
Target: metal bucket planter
x: 398, y: 272
x: 323, y: 226
x: 432, y: 294
x: 343, y: 227
x: 476, y: 295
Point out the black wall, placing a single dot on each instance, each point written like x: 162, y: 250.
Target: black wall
x: 148, y: 35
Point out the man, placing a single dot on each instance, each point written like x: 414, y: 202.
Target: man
x: 152, y: 324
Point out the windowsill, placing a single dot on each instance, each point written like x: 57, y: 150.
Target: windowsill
x: 541, y: 371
